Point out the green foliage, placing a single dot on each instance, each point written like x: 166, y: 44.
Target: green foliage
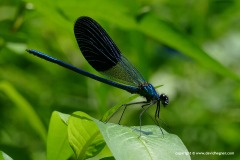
x: 179, y: 41
x: 111, y: 112
x: 191, y: 47
x: 84, y: 136
x: 24, y: 107
x: 126, y: 142
x: 57, y: 143
x: 86, y: 140
x: 4, y: 156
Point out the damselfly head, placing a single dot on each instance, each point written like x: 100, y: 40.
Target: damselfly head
x: 164, y: 99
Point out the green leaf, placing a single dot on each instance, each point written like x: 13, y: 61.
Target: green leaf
x: 84, y: 136
x: 64, y: 117
x: 126, y: 142
x: 25, y: 108
x: 58, y: 147
x: 115, y: 108
x: 49, y: 8
x: 105, y: 154
x: 152, y: 26
x: 4, y: 156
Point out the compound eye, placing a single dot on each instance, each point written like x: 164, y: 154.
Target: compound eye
x: 164, y: 99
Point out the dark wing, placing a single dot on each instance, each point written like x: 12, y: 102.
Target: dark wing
x: 102, y: 54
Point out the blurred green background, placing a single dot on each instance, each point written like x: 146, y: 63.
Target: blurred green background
x: 190, y: 47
